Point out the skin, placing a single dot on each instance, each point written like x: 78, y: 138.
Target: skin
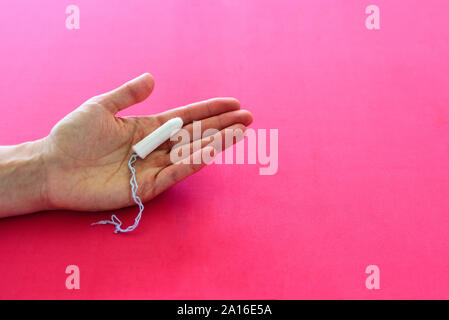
x: 83, y: 163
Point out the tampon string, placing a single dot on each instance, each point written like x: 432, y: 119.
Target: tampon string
x: 142, y: 149
x: 134, y: 187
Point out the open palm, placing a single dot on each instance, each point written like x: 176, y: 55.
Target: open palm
x: 89, y: 149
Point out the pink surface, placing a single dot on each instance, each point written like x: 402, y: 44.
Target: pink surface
x: 363, y: 119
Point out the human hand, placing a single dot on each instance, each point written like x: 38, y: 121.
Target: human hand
x: 85, y: 157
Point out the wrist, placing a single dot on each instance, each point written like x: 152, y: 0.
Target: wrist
x: 23, y: 182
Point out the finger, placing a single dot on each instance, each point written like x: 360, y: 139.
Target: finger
x: 161, y: 159
x: 221, y: 121
x: 219, y: 141
x: 200, y: 110
x: 128, y: 94
x: 204, y: 127
x: 179, y: 170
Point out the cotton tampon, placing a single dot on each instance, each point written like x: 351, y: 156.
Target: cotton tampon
x: 143, y: 148
x: 148, y: 144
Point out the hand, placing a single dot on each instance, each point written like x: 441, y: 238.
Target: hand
x: 85, y: 157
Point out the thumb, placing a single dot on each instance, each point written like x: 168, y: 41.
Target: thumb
x: 130, y: 93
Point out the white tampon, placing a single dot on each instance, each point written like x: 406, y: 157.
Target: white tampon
x: 148, y: 144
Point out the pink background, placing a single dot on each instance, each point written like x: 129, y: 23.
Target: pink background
x: 363, y: 119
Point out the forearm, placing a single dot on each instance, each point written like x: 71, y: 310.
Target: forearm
x: 22, y: 179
